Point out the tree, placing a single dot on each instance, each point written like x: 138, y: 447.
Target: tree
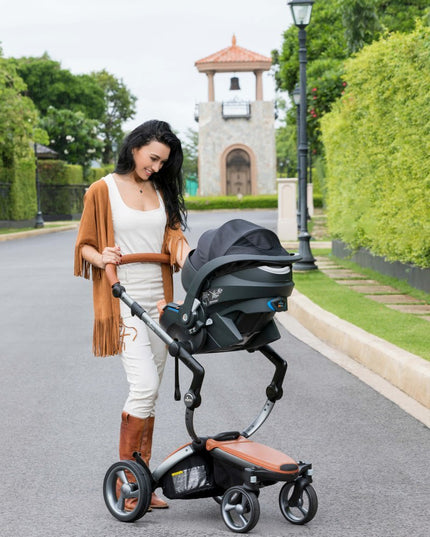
x: 401, y: 15
x: 325, y: 40
x: 119, y: 106
x: 190, y: 149
x: 50, y: 85
x: 18, y: 115
x: 360, y: 19
x: 338, y: 29
x: 73, y: 136
x: 18, y: 120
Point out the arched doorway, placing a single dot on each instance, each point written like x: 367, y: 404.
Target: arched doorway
x: 238, y: 176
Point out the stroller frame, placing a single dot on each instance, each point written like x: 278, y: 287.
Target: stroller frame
x: 228, y: 466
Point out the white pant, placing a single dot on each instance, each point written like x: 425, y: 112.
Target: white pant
x: 144, y: 355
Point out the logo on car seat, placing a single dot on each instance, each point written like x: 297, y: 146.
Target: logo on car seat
x: 211, y: 296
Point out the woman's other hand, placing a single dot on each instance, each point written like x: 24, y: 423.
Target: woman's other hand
x: 111, y: 255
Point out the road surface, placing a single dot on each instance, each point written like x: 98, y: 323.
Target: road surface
x: 61, y: 412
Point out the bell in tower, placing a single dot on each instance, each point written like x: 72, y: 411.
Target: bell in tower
x: 234, y: 83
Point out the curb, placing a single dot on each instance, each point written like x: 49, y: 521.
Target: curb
x: 406, y: 371
x: 34, y: 232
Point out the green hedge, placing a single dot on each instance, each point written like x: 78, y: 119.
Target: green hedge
x: 58, y: 172
x: 377, y: 142
x: 58, y: 182
x: 266, y: 201
x: 20, y: 202
x: 97, y: 173
x: 196, y: 203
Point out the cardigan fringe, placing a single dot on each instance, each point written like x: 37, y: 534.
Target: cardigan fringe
x: 107, y: 337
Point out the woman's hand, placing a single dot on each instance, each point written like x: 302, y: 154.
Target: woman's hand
x: 111, y: 255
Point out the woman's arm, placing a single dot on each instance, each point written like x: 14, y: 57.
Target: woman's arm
x: 182, y: 252
x: 100, y: 260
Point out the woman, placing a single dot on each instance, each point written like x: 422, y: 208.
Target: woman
x: 138, y: 208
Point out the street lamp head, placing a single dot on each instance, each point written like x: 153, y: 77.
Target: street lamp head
x: 296, y: 95
x: 301, y: 11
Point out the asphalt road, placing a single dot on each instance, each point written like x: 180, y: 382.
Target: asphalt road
x: 60, y: 413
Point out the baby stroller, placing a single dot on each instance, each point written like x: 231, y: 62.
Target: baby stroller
x: 236, y: 279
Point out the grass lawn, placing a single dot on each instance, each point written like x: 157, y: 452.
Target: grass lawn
x: 6, y: 230
x: 407, y: 331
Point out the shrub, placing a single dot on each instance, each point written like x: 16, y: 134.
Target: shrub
x: 208, y: 203
x: 97, y: 173
x: 266, y: 201
x: 22, y: 194
x: 58, y: 172
x: 377, y: 148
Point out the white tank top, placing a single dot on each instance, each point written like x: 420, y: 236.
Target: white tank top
x: 138, y: 232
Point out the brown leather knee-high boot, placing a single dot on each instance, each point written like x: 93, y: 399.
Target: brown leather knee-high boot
x: 130, y: 439
x: 145, y: 452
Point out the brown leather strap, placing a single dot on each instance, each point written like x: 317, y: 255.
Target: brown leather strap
x: 135, y: 258
x: 145, y: 258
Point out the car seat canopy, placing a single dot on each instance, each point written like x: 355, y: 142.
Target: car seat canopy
x: 236, y: 237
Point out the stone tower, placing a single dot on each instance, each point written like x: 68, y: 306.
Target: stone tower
x: 237, y: 153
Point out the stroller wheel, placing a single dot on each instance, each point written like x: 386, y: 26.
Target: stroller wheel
x: 301, y: 511
x: 218, y: 499
x: 240, y: 509
x: 132, y: 500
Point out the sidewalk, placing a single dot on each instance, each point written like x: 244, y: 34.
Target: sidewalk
x: 59, y: 226
x: 407, y: 373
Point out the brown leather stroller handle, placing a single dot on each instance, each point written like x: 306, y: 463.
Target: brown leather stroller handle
x: 134, y: 258
x: 145, y: 258
x: 110, y: 270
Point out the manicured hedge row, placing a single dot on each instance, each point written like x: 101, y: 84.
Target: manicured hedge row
x: 63, y: 185
x: 267, y: 201
x: 97, y: 173
x: 377, y: 142
x: 196, y: 203
x: 19, y: 190
x: 58, y: 172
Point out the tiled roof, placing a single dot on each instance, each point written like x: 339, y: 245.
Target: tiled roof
x: 234, y: 55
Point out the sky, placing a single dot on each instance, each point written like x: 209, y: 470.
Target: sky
x: 150, y: 45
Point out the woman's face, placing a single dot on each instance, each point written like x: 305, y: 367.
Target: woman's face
x: 150, y: 158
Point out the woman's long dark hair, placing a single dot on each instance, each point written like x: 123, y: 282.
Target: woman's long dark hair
x: 169, y: 179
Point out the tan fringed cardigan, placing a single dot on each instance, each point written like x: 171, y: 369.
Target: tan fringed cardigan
x: 96, y: 229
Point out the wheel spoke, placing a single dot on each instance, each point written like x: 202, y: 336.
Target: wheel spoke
x: 245, y: 504
x: 122, y: 476
x: 229, y: 506
x: 243, y: 520
x: 303, y: 510
x: 134, y: 494
x: 121, y: 503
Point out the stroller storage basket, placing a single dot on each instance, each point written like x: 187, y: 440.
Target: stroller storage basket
x: 190, y: 478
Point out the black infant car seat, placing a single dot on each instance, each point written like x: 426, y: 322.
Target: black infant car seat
x: 236, y: 279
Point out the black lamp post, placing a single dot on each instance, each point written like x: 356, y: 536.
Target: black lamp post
x: 301, y: 11
x: 39, y: 218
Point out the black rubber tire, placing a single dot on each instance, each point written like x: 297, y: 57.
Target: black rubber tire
x: 240, y: 509
x: 307, y: 508
x: 140, y: 489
